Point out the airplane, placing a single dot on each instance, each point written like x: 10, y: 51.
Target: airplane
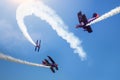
x: 52, y: 64
x: 38, y: 44
x: 84, y: 21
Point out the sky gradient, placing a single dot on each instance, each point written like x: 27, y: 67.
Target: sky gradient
x: 101, y: 46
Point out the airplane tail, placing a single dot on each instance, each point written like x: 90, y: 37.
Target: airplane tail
x: 95, y: 15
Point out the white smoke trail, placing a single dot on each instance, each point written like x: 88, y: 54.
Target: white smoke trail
x: 12, y: 59
x: 44, y: 12
x: 107, y: 15
x: 20, y: 15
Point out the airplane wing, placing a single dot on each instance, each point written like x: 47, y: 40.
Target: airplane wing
x: 84, y: 19
x: 36, y: 42
x: 40, y: 43
x: 89, y: 29
x: 79, y: 16
x: 56, y: 68
x: 38, y: 49
x: 46, y: 61
x: 52, y: 69
x: 51, y: 59
x: 35, y: 48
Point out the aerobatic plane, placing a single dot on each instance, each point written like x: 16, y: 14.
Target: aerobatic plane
x: 38, y: 45
x: 84, y: 21
x: 52, y: 64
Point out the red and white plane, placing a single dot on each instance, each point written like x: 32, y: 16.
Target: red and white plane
x: 84, y: 21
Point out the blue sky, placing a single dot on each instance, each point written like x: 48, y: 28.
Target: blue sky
x: 102, y: 46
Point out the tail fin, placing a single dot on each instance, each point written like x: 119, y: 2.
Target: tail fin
x: 95, y: 15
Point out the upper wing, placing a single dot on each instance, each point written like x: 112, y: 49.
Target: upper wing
x: 84, y: 19
x: 40, y: 43
x: 46, y: 61
x: 37, y: 42
x: 51, y: 59
x: 79, y: 16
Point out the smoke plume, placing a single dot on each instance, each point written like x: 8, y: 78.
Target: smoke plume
x: 106, y: 15
x: 12, y: 59
x: 47, y: 14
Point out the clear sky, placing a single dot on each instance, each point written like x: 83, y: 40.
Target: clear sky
x: 102, y: 46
